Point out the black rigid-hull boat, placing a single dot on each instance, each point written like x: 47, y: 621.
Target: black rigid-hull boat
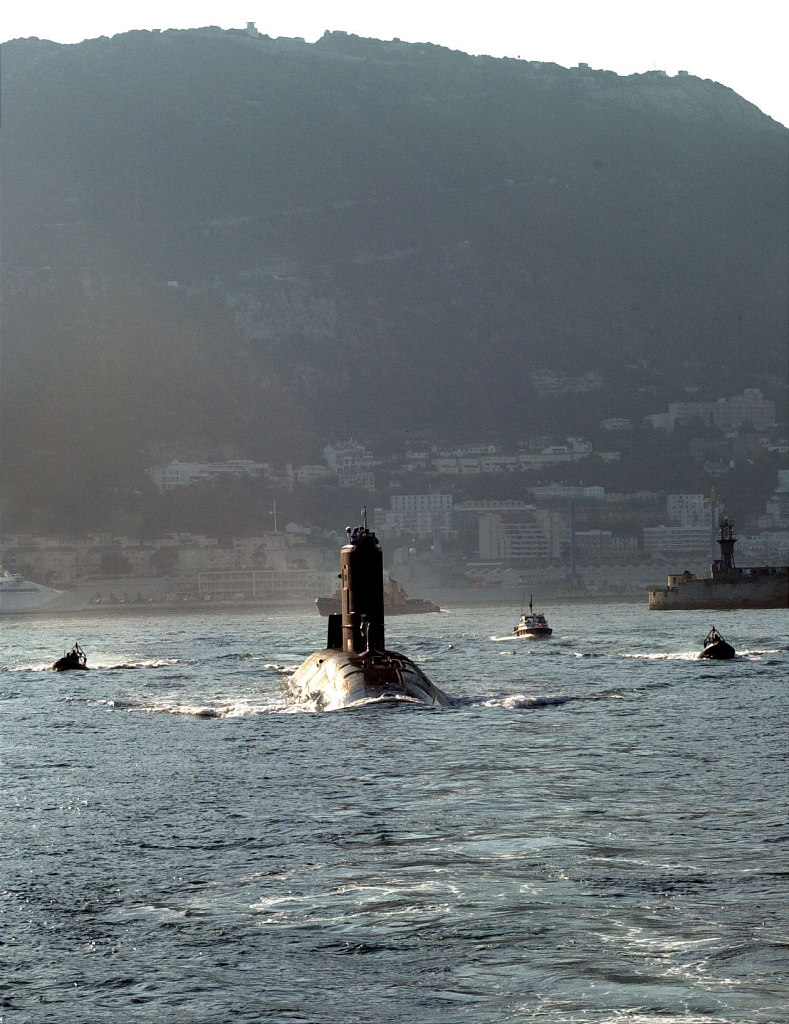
x: 73, y: 659
x: 715, y: 647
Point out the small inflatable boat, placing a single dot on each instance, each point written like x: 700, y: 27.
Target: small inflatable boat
x: 75, y: 658
x: 715, y: 647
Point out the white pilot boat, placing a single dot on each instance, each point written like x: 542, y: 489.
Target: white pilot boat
x: 532, y: 624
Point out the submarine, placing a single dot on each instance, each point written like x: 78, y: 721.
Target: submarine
x: 355, y: 667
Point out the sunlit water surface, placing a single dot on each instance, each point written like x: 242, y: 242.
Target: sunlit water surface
x: 595, y: 831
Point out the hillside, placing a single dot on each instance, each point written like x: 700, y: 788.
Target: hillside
x: 212, y: 241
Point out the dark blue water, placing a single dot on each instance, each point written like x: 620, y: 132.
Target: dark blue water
x: 596, y: 832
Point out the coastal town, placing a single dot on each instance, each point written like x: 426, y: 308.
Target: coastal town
x: 458, y: 523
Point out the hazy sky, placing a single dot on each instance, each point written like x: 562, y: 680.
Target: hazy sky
x: 740, y: 44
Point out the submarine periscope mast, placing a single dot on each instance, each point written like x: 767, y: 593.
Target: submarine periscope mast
x: 355, y: 666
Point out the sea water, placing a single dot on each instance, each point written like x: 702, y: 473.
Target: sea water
x: 595, y: 831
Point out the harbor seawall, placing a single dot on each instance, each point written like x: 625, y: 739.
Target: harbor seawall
x: 770, y: 590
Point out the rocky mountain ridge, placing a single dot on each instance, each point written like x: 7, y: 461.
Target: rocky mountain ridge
x: 214, y: 238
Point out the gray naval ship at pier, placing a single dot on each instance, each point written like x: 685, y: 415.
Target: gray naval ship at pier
x: 727, y: 586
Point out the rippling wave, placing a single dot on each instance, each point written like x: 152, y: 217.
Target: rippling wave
x: 594, y: 831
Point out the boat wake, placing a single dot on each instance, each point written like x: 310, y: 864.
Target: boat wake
x: 513, y: 639
x: 519, y: 701
x: 661, y: 655
x: 147, y: 663
x: 394, y: 700
x: 106, y: 664
x: 221, y: 709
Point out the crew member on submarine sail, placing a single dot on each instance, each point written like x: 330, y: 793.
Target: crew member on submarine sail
x: 355, y: 665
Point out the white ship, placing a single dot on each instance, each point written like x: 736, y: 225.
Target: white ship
x: 20, y: 595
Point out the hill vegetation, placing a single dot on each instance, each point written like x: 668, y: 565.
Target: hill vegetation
x: 214, y: 242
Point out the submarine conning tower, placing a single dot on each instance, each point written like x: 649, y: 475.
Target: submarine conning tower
x: 355, y: 666
x: 362, y: 583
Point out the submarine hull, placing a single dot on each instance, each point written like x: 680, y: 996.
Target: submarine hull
x: 333, y: 679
